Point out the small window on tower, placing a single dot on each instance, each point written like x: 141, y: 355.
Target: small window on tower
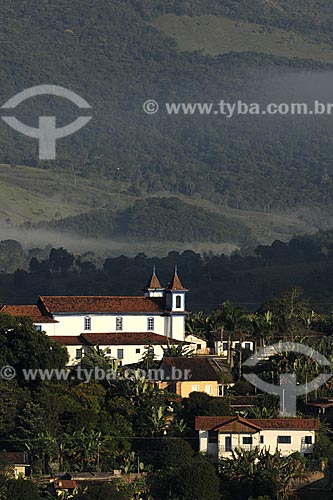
x: 119, y: 323
x: 150, y: 323
x: 87, y: 323
x: 178, y: 302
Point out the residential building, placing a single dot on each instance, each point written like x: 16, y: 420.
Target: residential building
x: 18, y: 462
x: 223, y: 346
x: 194, y: 374
x: 322, y: 408
x: 219, y: 436
x: 197, y: 345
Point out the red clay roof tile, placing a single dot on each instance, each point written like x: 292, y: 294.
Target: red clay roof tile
x: 100, y: 304
x: 123, y: 338
x: 32, y: 312
x: 175, y: 283
x: 200, y: 368
x: 154, y: 282
x: 208, y: 423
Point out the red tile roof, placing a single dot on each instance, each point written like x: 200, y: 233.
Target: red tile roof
x: 175, y: 283
x: 209, y: 423
x: 65, y: 484
x: 154, y: 282
x: 32, y: 312
x: 201, y: 368
x: 107, y: 339
x: 124, y: 338
x: 100, y: 304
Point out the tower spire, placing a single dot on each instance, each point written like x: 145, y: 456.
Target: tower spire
x: 154, y: 282
x: 175, y: 283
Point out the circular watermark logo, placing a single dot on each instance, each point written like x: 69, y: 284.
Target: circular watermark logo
x: 288, y: 390
x: 7, y: 373
x: 151, y: 107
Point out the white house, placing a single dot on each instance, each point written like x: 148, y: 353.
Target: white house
x: 221, y: 347
x: 219, y: 436
x: 124, y: 326
x: 197, y: 344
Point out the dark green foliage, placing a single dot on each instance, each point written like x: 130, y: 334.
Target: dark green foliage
x: 22, y: 347
x: 200, y: 403
x: 248, y: 278
x: 158, y: 219
x: 188, y: 482
x: 105, y: 492
x: 20, y: 489
x: 116, y: 60
x: 174, y: 453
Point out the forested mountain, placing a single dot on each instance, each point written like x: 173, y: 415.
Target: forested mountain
x: 110, y: 54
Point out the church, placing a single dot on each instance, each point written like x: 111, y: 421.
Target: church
x: 124, y: 327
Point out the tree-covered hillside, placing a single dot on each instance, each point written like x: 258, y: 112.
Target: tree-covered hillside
x: 109, y: 54
x: 159, y: 219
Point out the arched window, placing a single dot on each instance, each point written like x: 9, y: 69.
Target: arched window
x: 87, y: 323
x: 150, y: 324
x: 178, y: 302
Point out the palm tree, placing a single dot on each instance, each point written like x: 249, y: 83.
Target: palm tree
x: 177, y: 351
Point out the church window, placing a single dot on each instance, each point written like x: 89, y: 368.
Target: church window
x: 87, y: 323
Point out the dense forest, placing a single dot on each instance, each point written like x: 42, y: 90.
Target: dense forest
x: 158, y: 219
x: 247, y: 277
x: 262, y: 163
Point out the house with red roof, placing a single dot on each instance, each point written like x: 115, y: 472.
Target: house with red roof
x: 220, y: 436
x: 123, y: 326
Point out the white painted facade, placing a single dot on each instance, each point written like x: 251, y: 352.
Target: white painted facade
x: 222, y: 346
x: 172, y: 326
x: 127, y: 354
x: 197, y: 344
x: 286, y: 441
x: 159, y: 311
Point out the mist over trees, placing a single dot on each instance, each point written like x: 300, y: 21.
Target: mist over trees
x: 248, y: 277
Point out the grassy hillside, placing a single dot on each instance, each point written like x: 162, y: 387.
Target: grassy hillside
x: 308, y: 16
x: 217, y: 35
x: 31, y: 195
